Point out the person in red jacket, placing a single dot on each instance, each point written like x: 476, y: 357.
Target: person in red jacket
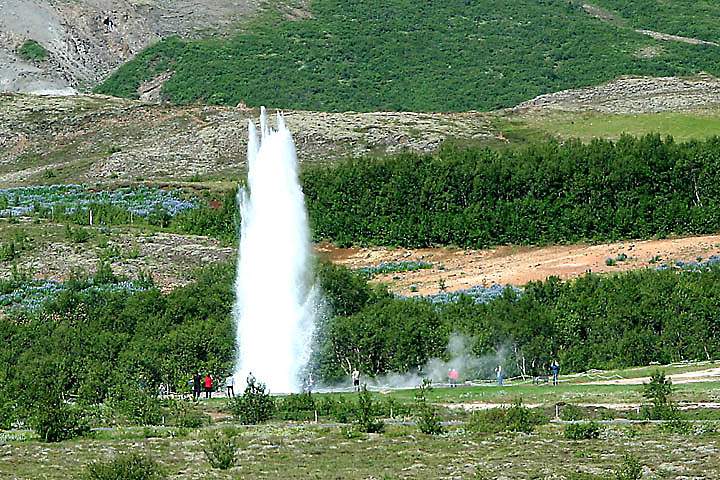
x: 208, y: 385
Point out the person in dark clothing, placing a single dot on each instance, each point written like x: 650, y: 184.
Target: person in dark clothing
x: 555, y: 369
x: 196, y: 383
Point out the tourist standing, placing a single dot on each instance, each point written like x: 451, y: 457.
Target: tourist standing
x: 555, y: 369
x: 453, y: 376
x: 499, y: 375
x: 208, y: 385
x: 230, y: 386
x: 356, y: 380
x: 196, y: 383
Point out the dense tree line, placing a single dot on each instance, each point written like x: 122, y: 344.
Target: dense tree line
x: 546, y: 193
x: 457, y: 55
x: 595, y: 321
x: 103, y: 345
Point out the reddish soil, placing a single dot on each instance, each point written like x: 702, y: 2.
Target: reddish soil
x: 460, y: 269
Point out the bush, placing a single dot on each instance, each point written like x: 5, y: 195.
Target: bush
x: 32, y: 50
x: 296, y: 407
x: 571, y: 413
x: 188, y: 416
x: 57, y: 422
x: 129, y: 466
x: 138, y: 406
x: 583, y: 431
x: 221, y: 449
x: 658, y: 391
x: 338, y: 408
x: 77, y: 234
x: 255, y: 405
x: 427, y: 418
x: 630, y: 469
x: 517, y: 418
x: 366, y: 417
x: 521, y: 419
x: 487, y: 422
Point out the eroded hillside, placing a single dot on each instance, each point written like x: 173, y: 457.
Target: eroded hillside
x: 87, y: 39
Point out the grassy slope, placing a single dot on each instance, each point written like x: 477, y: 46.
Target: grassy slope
x: 683, y: 126
x: 402, y: 55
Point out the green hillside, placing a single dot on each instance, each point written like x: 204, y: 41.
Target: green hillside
x: 422, y: 56
x: 688, y: 18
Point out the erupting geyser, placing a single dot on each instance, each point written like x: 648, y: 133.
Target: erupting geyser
x: 275, y: 298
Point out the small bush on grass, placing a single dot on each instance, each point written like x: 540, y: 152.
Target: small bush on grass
x: 583, y: 431
x: 184, y: 414
x: 630, y: 469
x: 296, y: 407
x: 138, y: 406
x: 517, y: 418
x: 572, y: 413
x: 255, y: 405
x: 129, y: 466
x: 366, y: 416
x: 339, y: 409
x: 221, y: 449
x: 77, y: 234
x: 58, y: 421
x: 427, y: 418
x: 659, y: 391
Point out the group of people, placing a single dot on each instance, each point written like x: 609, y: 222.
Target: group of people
x: 200, y: 384
x: 453, y: 375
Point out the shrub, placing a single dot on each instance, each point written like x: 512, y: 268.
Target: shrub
x: 366, y: 416
x: 138, y: 406
x: 571, y: 413
x: 338, y: 408
x: 583, y: 431
x: 521, y: 419
x: 8, y: 410
x: 129, y: 466
x: 255, y: 405
x: 427, y: 418
x: 76, y: 234
x: 296, y: 407
x: 221, y: 449
x: 517, y: 418
x: 630, y: 469
x: 487, y: 421
x: 58, y: 421
x: 187, y: 415
x: 8, y: 251
x: 658, y: 391
x: 32, y: 50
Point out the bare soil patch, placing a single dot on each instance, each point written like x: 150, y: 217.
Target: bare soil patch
x: 459, y: 269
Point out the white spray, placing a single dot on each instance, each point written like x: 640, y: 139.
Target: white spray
x: 275, y: 301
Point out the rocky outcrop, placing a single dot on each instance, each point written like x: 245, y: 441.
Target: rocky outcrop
x: 634, y: 95
x: 90, y: 138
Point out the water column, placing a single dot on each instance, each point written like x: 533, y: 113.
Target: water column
x: 275, y: 298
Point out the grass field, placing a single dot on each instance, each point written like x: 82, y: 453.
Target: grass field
x: 281, y: 452
x: 683, y: 126
x: 296, y: 450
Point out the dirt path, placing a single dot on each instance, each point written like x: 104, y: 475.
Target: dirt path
x: 625, y: 406
x: 708, y: 375
x: 460, y: 269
